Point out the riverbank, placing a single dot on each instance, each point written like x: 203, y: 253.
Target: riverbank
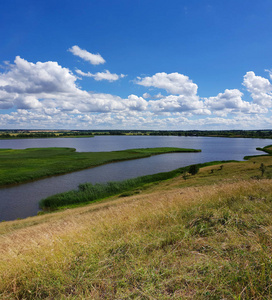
x: 19, y: 166
x: 88, y: 193
x: 204, y: 237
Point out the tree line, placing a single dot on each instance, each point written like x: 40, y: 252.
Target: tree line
x: 6, y: 134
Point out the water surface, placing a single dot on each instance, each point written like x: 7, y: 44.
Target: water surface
x: 22, y: 201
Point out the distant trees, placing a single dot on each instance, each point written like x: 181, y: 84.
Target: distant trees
x: 5, y: 135
x: 195, y: 133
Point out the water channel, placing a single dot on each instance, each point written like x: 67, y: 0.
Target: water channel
x: 21, y: 201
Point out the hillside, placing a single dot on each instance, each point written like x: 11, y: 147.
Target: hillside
x: 207, y: 236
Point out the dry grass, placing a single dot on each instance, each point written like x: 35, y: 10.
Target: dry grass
x: 208, y: 237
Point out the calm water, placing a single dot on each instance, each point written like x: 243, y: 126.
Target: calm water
x: 22, y: 201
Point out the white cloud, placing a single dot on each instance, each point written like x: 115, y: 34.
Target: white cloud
x: 27, y: 102
x: 46, y: 95
x: 102, y: 75
x: 6, y: 99
x: 27, y: 77
x: 260, y: 89
x: 231, y: 102
x: 158, y: 96
x: 136, y: 103
x: 95, y: 102
x: 146, y: 95
x: 173, y: 103
x: 94, y: 59
x: 174, y: 83
x: 49, y: 88
x: 256, y: 84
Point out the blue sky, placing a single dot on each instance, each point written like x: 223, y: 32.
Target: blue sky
x: 127, y: 64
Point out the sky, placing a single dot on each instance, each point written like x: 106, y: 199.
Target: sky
x: 136, y: 64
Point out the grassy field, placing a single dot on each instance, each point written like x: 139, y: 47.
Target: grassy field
x: 17, y: 166
x: 206, y: 237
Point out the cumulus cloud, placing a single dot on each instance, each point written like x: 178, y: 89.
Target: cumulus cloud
x: 6, y: 99
x: 46, y: 95
x: 260, y: 89
x: 147, y: 95
x: 183, y: 96
x: 136, y: 103
x: 173, y: 83
x: 28, y: 85
x: 173, y: 103
x: 94, y: 59
x: 27, y: 77
x: 27, y: 102
x: 231, y: 102
x: 188, y: 102
x: 102, y: 75
x: 100, y: 102
x: 256, y: 84
x: 49, y: 88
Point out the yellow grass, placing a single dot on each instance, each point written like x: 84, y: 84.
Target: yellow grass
x: 141, y: 247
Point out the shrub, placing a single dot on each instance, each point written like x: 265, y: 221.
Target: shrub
x: 194, y: 169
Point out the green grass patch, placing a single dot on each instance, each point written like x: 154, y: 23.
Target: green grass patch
x: 17, y: 166
x: 267, y: 149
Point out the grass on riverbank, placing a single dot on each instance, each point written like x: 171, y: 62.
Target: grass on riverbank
x: 88, y: 192
x: 267, y: 149
x: 17, y: 166
x: 207, y: 237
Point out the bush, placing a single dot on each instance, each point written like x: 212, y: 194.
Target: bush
x: 194, y: 169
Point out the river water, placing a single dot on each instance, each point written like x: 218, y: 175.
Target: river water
x: 21, y: 201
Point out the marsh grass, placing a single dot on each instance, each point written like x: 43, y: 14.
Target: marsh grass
x: 17, y: 166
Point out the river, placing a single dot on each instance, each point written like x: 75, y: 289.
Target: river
x: 21, y: 201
